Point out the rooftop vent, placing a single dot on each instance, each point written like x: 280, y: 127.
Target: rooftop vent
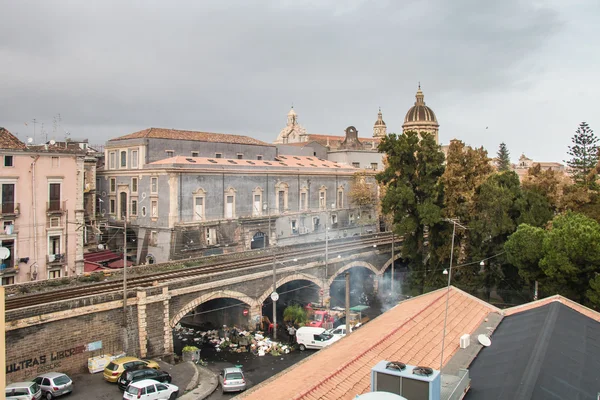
x: 251, y: 162
x: 268, y: 163
x: 212, y: 161
x: 309, y: 159
x: 190, y: 160
x: 231, y: 162
x: 297, y: 158
x: 465, y: 341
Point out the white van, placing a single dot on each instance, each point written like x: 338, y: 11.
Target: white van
x: 339, y: 331
x: 314, y: 338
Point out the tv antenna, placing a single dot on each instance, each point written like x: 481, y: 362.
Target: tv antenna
x: 34, y: 123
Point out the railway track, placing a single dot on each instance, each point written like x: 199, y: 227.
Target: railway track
x: 161, y: 277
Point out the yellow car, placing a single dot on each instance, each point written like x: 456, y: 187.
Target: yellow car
x: 115, y: 368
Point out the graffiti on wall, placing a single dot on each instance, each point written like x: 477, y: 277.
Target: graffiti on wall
x: 47, y: 362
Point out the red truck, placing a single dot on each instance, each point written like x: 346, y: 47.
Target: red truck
x: 321, y: 317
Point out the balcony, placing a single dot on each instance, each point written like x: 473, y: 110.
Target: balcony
x: 55, y: 259
x: 56, y: 207
x: 10, y: 209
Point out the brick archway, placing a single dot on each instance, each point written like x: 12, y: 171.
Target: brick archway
x: 389, y: 262
x: 353, y: 264
x: 289, y: 278
x: 220, y: 294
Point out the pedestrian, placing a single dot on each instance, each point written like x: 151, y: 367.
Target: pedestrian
x: 292, y: 333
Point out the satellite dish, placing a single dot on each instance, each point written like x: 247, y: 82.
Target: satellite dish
x: 484, y: 340
x: 100, y: 246
x: 143, y: 195
x: 52, y: 142
x: 4, y: 253
x: 29, y: 140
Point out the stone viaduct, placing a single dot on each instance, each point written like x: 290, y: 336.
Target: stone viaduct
x: 64, y: 334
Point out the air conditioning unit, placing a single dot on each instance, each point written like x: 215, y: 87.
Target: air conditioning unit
x: 412, y: 382
x: 51, y: 257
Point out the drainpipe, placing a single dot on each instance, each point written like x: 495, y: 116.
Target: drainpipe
x: 33, y: 201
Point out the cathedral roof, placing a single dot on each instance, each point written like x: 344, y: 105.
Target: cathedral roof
x: 420, y: 113
x: 380, y: 121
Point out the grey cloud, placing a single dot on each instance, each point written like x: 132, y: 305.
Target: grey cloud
x: 236, y: 66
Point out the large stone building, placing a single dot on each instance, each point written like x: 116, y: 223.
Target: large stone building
x: 186, y: 193
x: 44, y: 189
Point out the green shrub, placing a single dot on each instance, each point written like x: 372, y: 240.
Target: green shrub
x: 190, y: 349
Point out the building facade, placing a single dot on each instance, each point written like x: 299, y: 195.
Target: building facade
x: 42, y: 210
x: 185, y: 206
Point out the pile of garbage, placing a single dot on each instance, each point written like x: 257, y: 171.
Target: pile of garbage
x: 233, y: 340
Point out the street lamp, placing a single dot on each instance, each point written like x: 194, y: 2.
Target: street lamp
x: 449, y: 273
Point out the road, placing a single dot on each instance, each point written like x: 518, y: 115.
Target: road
x: 256, y: 369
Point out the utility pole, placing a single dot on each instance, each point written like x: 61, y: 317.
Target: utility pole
x: 535, y: 291
x: 326, y: 255
x: 274, y: 298
x: 67, y: 239
x: 393, y: 260
x: 347, y: 275
x: 2, y: 339
x: 126, y: 339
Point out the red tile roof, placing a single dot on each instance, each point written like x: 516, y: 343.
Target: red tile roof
x: 411, y: 332
x: 10, y: 141
x: 89, y: 266
x: 101, y: 256
x: 162, y: 133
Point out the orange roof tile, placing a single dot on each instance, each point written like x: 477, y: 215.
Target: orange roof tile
x: 411, y: 332
x: 10, y: 141
x: 280, y: 161
x: 163, y: 133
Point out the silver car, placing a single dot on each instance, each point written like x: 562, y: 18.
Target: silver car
x: 232, y: 380
x: 23, y: 391
x: 54, y: 384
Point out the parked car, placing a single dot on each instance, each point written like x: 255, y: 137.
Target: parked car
x: 232, y: 380
x: 115, y: 368
x: 54, y: 384
x: 314, y: 338
x: 149, y: 389
x: 138, y: 374
x: 339, y: 331
x: 23, y: 391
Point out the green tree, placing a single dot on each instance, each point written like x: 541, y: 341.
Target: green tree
x: 571, y: 251
x: 466, y: 169
x: 503, y: 158
x: 584, y: 155
x: 534, y: 208
x: 524, y: 250
x: 495, y: 215
x: 295, y: 314
x: 413, y: 195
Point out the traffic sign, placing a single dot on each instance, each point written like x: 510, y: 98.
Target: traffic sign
x: 274, y: 296
x: 245, y: 312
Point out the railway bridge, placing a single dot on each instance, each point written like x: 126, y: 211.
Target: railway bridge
x: 58, y: 332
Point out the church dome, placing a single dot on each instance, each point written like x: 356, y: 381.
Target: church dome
x: 420, y: 112
x: 421, y: 118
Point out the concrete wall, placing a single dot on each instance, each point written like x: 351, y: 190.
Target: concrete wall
x: 157, y: 149
x: 364, y: 158
x: 61, y: 345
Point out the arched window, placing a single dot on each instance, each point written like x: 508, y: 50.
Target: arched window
x: 230, y: 203
x: 257, y: 207
x: 323, y: 198
x: 199, y: 206
x: 281, y: 197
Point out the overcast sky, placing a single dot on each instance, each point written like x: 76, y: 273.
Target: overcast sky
x: 522, y: 72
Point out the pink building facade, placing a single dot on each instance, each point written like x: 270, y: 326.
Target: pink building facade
x: 42, y: 211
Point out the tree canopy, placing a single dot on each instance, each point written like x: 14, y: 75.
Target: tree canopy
x: 503, y: 158
x: 413, y: 194
x: 584, y: 154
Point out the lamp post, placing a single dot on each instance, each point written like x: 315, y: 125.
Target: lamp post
x: 449, y: 272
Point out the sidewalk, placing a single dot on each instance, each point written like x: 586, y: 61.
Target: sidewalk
x: 204, y: 384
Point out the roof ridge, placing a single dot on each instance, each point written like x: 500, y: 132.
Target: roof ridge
x: 370, y: 348
x: 575, y: 306
x: 483, y: 302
